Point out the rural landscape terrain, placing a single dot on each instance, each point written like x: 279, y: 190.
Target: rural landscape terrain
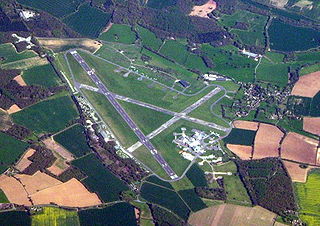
x: 160, y: 112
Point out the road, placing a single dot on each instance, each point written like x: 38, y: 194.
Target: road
x: 111, y: 98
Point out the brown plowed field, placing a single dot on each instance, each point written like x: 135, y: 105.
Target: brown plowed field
x: 299, y: 148
x: 242, y: 151
x: 311, y: 125
x: 37, y: 182
x: 231, y: 215
x: 14, y: 190
x: 54, y: 146
x: 20, y: 80
x: 307, y: 85
x: 24, y: 161
x: 296, y: 173
x: 267, y: 141
x: 71, y: 193
x: 246, y: 125
x: 204, y: 10
x: 13, y: 109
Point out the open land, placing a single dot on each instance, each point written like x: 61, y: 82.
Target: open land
x: 228, y: 214
x: 312, y: 125
x: 20, y: 80
x: 267, y: 141
x: 297, y: 173
x: 52, y: 145
x: 244, y: 152
x: 307, y: 85
x: 55, y: 216
x: 299, y: 148
x: 247, y: 125
x: 204, y: 10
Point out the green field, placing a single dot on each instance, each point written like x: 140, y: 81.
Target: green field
x: 228, y: 61
x: 272, y: 72
x: 309, y: 69
x: 55, y: 216
x: 58, y: 8
x: 240, y: 136
x: 254, y: 34
x: 146, y: 119
x: 192, y: 199
x: 307, y: 194
x: 285, y: 37
x: 157, y: 181
x: 48, y: 116
x: 235, y: 190
x: 3, y: 197
x: 9, y: 53
x: 196, y: 176
x: 100, y: 179
x: 15, y: 218
x: 74, y: 140
x: 112, y: 118
x: 119, y: 33
x: 41, y: 75
x: 166, y: 198
x: 117, y: 214
x: 88, y: 21
x: 148, y: 38
x: 10, y: 150
x: 204, y: 111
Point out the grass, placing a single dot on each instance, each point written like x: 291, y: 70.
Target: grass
x: 10, y: 150
x: 3, y: 197
x: 204, y: 111
x: 273, y: 73
x: 146, y: 119
x: 9, y: 53
x: 48, y: 116
x: 175, y: 51
x: 307, y: 194
x: 285, y: 37
x: 309, y: 69
x: 240, y: 136
x: 58, y: 8
x: 55, y: 216
x: 192, y: 200
x: 182, y: 184
x: 229, y: 62
x: 112, y: 118
x: 156, y: 180
x: 88, y: 21
x: 148, y: 38
x: 117, y: 214
x: 254, y: 34
x: 74, y: 140
x: 15, y: 218
x: 100, y: 179
x: 169, y: 151
x: 41, y: 75
x: 235, y: 190
x: 166, y: 198
x: 140, y: 90
x: 196, y: 176
x: 119, y: 33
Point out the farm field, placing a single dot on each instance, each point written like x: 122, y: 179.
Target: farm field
x: 282, y: 40
x: 48, y: 116
x: 307, y: 194
x: 166, y: 198
x: 229, y: 62
x: 55, y: 216
x: 255, y: 22
x: 41, y: 75
x: 196, y: 176
x: 157, y: 181
x: 117, y: 214
x: 228, y: 214
x: 74, y: 140
x: 11, y: 149
x: 15, y: 218
x: 148, y: 38
x: 3, y: 197
x: 119, y: 33
x: 309, y: 69
x: 58, y: 8
x: 146, y: 119
x: 192, y: 199
x: 112, y: 118
x: 100, y: 179
x: 8, y: 51
x: 240, y: 136
x: 87, y: 21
